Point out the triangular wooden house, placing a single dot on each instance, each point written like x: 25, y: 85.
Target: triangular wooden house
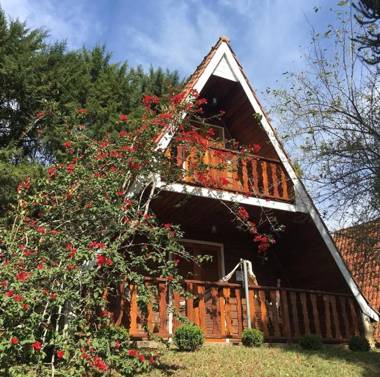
x: 303, y: 286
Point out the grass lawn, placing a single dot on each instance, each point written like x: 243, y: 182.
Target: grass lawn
x: 268, y: 361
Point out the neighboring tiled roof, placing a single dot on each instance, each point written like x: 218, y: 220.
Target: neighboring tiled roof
x: 360, y: 248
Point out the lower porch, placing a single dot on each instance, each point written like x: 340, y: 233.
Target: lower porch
x: 219, y: 309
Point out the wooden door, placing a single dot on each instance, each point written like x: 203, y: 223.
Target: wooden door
x: 210, y: 270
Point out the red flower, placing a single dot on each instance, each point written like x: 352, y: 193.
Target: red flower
x: 37, y: 346
x: 142, y: 358
x: 117, y: 344
x: 70, y: 168
x: 60, y: 354
x: 40, y: 114
x: 105, y: 314
x: 123, y: 133
x: 25, y: 307
x: 22, y: 276
x: 14, y: 340
x: 149, y: 100
x: 53, y: 296
x: 256, y: 148
x: 123, y: 118
x: 71, y: 267
x: 52, y: 171
x: 24, y: 185
x: 133, y: 353
x: 67, y: 144
x: 18, y: 298
x: 224, y: 181
x: 82, y: 111
x: 177, y: 98
x: 41, y: 230
x: 243, y: 213
x: 40, y: 266
x: 101, y: 260
x: 9, y: 293
x: 120, y: 193
x: 168, y: 226
x: 96, y: 245
x: 151, y: 360
x: 100, y: 364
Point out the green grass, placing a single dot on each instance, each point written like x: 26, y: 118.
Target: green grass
x: 275, y: 361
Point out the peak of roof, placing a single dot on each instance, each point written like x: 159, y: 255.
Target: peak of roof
x: 224, y: 38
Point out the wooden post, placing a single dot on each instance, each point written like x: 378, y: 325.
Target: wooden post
x: 293, y: 299
x: 133, y: 310
x: 227, y: 307
x: 263, y: 312
x: 239, y: 311
x: 354, y: 316
x: 285, y: 315
x: 190, y: 303
x: 305, y: 313
x: 326, y: 300
x: 275, y: 183
x: 202, y: 308
x: 163, y: 303
x: 222, y: 311
x: 264, y: 169
x: 275, y: 318
x: 252, y: 307
x: 317, y: 325
x: 338, y: 334
x: 343, y: 308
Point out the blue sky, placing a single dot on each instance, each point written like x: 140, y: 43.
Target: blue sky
x: 268, y: 36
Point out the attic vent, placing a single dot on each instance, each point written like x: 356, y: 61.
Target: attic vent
x: 224, y: 70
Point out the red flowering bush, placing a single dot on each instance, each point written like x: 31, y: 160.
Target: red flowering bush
x: 79, y: 233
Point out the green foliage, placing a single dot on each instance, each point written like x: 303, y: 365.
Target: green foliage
x: 252, y: 338
x: 44, y: 85
x: 310, y: 342
x: 77, y: 233
x: 188, y: 337
x: 359, y: 343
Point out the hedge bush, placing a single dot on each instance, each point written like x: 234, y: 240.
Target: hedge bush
x: 188, y: 337
x: 310, y: 342
x: 359, y: 343
x: 252, y: 338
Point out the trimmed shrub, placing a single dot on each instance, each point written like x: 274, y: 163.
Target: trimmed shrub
x: 188, y: 337
x: 310, y: 342
x: 359, y: 343
x: 252, y: 338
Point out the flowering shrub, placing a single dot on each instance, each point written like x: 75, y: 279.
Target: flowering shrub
x: 81, y: 232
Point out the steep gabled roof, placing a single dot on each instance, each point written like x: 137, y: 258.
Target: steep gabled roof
x: 223, y: 51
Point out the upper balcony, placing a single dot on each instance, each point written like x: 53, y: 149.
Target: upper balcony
x: 230, y: 170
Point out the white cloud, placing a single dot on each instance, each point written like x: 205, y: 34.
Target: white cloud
x: 183, y: 32
x: 69, y: 20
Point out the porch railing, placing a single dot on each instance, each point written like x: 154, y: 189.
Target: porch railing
x: 283, y: 314
x: 229, y: 170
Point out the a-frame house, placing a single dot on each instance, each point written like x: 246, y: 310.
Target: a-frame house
x: 303, y: 286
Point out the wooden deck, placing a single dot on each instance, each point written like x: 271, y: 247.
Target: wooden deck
x: 228, y: 170
x: 220, y: 310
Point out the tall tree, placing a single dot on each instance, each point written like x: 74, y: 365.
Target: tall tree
x: 368, y: 16
x: 331, y: 110
x: 43, y: 86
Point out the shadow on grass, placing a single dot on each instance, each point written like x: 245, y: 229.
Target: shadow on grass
x: 368, y: 361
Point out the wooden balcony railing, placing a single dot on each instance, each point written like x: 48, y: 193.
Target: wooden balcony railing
x: 282, y: 314
x: 229, y: 170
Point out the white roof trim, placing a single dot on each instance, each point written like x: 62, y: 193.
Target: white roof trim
x: 223, y: 69
x: 228, y: 196
x: 303, y: 200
